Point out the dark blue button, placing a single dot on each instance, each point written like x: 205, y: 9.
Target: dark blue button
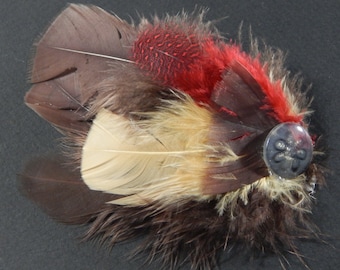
x: 288, y: 150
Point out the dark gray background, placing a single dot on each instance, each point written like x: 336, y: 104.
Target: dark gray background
x: 308, y: 30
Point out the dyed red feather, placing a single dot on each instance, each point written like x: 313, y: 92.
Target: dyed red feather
x: 175, y: 56
x: 179, y: 136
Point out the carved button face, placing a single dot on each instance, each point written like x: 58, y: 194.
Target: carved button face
x: 288, y: 150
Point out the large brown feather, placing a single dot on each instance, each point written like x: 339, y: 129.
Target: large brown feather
x: 66, y: 80
x: 60, y: 191
x: 74, y: 29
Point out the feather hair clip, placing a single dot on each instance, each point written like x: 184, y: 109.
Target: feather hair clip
x: 173, y: 134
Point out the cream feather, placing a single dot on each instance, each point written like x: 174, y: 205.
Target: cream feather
x: 292, y: 192
x: 164, y: 159
x: 161, y: 158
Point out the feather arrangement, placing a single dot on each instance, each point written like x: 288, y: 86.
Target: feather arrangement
x: 173, y: 134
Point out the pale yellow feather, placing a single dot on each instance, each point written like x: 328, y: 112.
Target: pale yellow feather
x: 292, y: 192
x: 165, y: 157
x: 162, y: 158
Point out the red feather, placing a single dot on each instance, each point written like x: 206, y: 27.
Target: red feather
x: 178, y: 58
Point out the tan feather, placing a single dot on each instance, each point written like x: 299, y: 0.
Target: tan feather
x: 162, y: 157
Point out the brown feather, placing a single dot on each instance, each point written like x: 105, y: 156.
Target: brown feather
x: 74, y: 29
x: 53, y: 103
x: 66, y: 80
x: 194, y: 233
x: 60, y: 191
x: 239, y: 93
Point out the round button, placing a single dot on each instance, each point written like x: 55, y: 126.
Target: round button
x: 288, y: 150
